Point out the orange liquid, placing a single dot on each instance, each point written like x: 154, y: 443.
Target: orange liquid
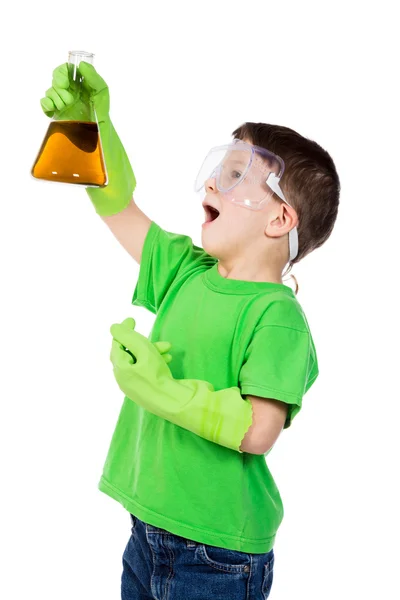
x: 71, y: 153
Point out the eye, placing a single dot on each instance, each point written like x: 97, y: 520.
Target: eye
x: 236, y: 175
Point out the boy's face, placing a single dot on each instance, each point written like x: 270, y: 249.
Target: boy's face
x: 237, y: 229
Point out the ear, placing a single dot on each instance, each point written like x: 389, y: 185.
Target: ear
x: 281, y: 220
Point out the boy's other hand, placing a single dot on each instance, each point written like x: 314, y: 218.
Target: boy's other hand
x: 121, y: 354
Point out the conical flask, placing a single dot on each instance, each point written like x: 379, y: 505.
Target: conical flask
x: 71, y: 150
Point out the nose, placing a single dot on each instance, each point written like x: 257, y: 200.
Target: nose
x: 210, y: 185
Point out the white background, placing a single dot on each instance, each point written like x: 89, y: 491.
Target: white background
x: 182, y: 77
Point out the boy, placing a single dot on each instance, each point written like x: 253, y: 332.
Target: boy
x: 187, y: 457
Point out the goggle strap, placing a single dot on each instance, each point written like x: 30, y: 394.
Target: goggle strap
x: 273, y: 182
x: 293, y: 243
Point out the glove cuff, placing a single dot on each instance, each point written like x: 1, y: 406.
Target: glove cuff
x: 113, y: 197
x: 222, y: 416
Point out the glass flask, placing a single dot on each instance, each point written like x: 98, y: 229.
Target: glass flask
x: 71, y: 150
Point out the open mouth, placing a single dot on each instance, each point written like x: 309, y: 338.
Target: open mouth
x: 211, y: 213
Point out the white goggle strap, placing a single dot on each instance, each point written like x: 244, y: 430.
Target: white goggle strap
x: 273, y: 182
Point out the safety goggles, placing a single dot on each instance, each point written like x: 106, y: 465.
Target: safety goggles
x: 248, y: 176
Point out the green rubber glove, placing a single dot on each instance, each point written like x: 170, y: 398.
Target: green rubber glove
x: 162, y: 347
x: 222, y: 416
x: 61, y: 99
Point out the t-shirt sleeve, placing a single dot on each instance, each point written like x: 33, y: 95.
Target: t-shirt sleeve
x: 281, y: 363
x: 165, y: 257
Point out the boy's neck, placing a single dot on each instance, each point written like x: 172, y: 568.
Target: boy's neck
x: 251, y: 273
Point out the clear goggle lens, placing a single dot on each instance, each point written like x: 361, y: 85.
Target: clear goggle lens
x: 240, y: 172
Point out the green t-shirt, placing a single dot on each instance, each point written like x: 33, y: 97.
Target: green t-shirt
x: 228, y: 332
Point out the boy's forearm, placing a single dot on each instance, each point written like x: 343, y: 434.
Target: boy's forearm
x: 269, y: 416
x: 130, y: 227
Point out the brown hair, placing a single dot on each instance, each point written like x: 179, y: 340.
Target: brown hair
x: 310, y: 182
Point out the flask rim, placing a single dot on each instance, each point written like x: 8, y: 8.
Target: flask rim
x: 80, y: 53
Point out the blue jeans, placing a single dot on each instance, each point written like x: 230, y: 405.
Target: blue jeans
x: 159, y: 565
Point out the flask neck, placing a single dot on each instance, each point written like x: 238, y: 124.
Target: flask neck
x: 75, y: 77
x: 81, y: 109
x: 74, y: 74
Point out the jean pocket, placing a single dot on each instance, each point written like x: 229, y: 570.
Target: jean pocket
x: 223, y: 559
x: 268, y: 577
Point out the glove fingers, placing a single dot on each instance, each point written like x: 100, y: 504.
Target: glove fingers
x: 119, y: 355
x: 129, y: 322
x: 130, y: 339
x: 60, y: 77
x: 65, y: 96
x: 91, y: 76
x: 55, y: 98
x: 167, y: 358
x: 58, y: 96
x: 62, y: 84
x: 133, y: 358
x: 138, y: 344
x: 162, y: 347
x: 47, y: 106
x: 115, y: 350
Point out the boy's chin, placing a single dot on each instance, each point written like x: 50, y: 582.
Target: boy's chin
x: 208, y: 245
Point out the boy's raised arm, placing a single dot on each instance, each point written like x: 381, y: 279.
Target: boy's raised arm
x: 130, y: 227
x: 113, y: 202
